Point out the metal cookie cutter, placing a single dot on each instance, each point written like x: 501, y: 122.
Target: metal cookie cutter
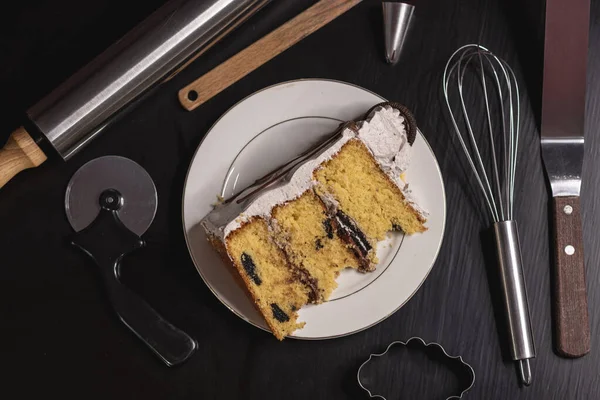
x: 421, y: 343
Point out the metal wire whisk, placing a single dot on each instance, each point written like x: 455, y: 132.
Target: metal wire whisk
x: 496, y: 179
x: 493, y: 73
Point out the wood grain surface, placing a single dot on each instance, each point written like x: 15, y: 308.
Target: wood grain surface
x: 204, y: 88
x: 59, y: 336
x: 18, y: 154
x: 571, y: 307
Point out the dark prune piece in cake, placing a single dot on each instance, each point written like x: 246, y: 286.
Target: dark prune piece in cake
x: 278, y: 313
x: 250, y: 268
x: 347, y: 228
x: 318, y: 244
x: 328, y: 225
x: 396, y: 227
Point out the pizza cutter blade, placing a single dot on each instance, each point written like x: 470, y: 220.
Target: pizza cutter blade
x: 110, y: 202
x: 112, y: 172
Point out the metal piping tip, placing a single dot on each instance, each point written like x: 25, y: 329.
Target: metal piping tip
x: 396, y: 20
x: 525, y: 372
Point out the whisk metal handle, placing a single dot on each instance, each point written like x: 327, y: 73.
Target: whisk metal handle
x: 514, y: 293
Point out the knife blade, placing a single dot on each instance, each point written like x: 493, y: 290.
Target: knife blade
x: 562, y: 143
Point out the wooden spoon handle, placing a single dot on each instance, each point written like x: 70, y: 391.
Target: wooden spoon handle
x: 260, y: 52
x: 570, y: 296
x: 19, y: 153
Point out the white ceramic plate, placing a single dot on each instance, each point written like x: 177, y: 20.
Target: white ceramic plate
x: 269, y: 128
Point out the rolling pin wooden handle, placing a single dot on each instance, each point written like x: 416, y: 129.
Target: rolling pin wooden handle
x: 19, y: 153
x: 570, y: 297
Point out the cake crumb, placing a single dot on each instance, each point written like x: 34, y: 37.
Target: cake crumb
x: 220, y: 200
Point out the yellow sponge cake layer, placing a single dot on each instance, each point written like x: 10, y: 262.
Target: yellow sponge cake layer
x: 271, y: 281
x: 311, y: 243
x: 366, y: 194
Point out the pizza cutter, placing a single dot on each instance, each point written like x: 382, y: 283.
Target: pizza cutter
x: 110, y: 202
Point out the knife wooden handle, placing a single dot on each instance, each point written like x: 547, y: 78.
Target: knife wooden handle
x: 19, y: 153
x: 262, y: 51
x: 570, y: 297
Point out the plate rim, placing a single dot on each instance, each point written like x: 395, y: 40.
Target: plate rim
x: 244, y: 318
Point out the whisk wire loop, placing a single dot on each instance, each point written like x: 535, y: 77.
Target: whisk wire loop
x: 494, y: 74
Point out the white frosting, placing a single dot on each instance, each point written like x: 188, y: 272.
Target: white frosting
x: 385, y: 136
x: 301, y: 181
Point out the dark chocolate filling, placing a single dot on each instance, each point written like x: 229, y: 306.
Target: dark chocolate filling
x: 365, y: 264
x: 302, y: 275
x: 278, y: 313
x: 312, y: 283
x: 250, y: 268
x: 348, y: 229
x: 328, y: 226
x: 396, y: 227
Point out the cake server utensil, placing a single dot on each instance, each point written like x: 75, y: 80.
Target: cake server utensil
x: 110, y: 202
x: 396, y: 21
x: 260, y: 52
x: 78, y: 110
x: 562, y: 132
x: 493, y: 160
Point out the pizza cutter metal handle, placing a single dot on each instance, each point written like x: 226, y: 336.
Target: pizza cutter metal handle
x: 107, y: 241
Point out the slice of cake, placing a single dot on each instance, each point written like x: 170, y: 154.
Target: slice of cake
x: 290, y: 234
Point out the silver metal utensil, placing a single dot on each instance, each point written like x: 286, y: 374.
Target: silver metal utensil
x: 396, y: 21
x: 495, y: 176
x: 77, y: 111
x: 562, y: 130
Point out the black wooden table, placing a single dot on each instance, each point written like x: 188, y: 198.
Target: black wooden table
x: 58, y: 334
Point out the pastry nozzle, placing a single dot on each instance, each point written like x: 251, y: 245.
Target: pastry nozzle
x: 396, y: 20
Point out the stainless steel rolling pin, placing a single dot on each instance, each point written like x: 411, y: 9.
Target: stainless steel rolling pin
x: 78, y: 110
